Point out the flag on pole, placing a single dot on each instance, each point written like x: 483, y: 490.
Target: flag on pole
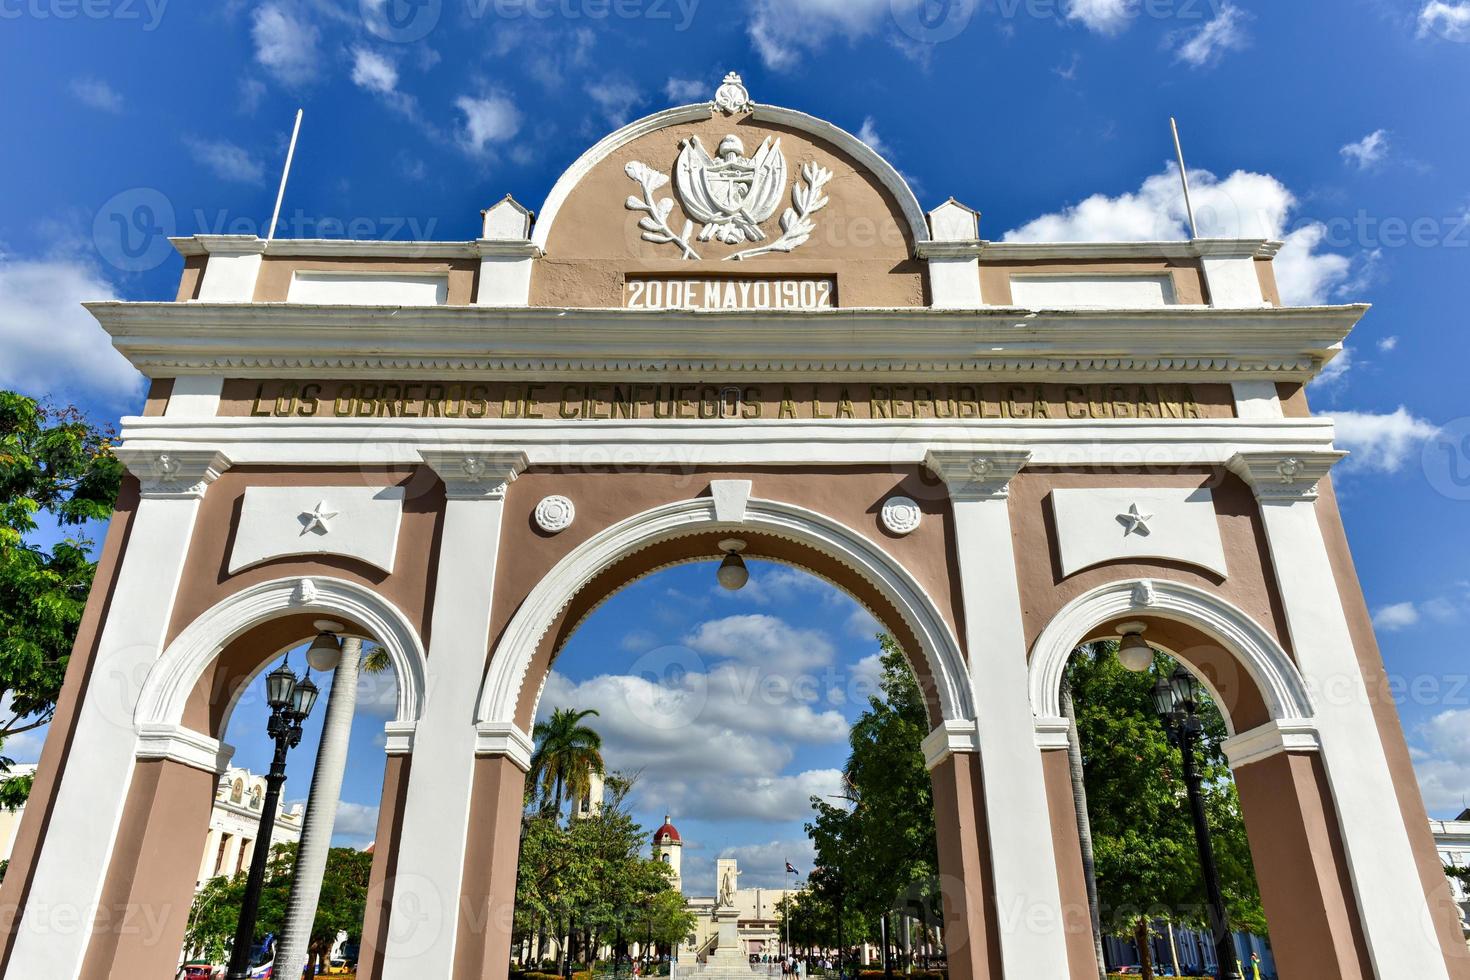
x: 790, y: 869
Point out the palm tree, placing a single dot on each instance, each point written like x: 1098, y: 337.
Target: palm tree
x: 567, y: 754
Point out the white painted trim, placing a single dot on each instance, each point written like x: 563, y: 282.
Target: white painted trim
x: 1232, y: 281
x: 1256, y: 400
x: 1032, y: 251
x: 398, y: 737
x: 1175, y: 524
x: 1281, y: 685
x: 363, y: 524
x: 1269, y: 740
x: 171, y: 680
x: 954, y: 283
x: 436, y: 811
x: 510, y: 666
x: 504, y: 738
x: 229, y: 277
x: 823, y: 131
x: 531, y: 343
x: 71, y: 866
x: 950, y: 737
x: 1053, y: 734
x: 185, y: 746
x: 370, y: 442
x: 195, y: 395
x: 326, y: 247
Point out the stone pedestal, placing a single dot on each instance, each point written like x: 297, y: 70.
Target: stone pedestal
x: 728, y: 961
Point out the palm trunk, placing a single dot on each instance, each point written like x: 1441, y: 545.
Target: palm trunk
x: 321, y: 814
x: 1084, y: 825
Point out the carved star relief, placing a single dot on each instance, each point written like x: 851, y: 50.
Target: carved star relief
x: 1134, y: 522
x: 316, y: 520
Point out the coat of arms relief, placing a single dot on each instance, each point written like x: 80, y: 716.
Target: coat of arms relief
x: 727, y: 194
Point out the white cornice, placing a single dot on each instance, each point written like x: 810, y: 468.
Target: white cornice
x: 331, y: 247
x: 1036, y: 251
x: 302, y: 340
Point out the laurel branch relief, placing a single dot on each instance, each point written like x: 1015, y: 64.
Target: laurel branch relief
x: 729, y: 195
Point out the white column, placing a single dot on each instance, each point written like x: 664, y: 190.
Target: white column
x: 1028, y: 897
x: 55, y: 925
x: 232, y: 268
x: 425, y: 911
x: 1395, y: 911
x: 321, y: 813
x: 953, y: 254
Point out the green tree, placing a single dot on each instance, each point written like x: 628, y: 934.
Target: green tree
x: 216, y: 908
x: 876, y: 849
x: 1143, y: 839
x: 52, y: 462
x: 567, y: 753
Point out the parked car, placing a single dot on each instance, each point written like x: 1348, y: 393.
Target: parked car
x: 200, y: 970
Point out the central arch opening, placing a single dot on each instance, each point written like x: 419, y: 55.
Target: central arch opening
x: 721, y: 750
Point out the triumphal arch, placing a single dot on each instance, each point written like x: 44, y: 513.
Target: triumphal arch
x: 728, y: 322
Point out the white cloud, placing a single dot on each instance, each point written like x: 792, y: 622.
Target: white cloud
x: 869, y: 135
x: 780, y: 584
x: 1442, y: 761
x: 1108, y: 17
x: 488, y: 120
x: 285, y: 45
x: 763, y: 641
x: 861, y: 624
x: 53, y: 347
x: 617, y: 98
x: 1398, y: 616
x: 373, y: 71
x: 1450, y: 21
x: 1381, y: 442
x: 1367, y: 152
x: 1388, y: 344
x: 1243, y: 205
x: 1334, y: 373
x: 782, y: 31
x: 96, y: 93
x: 356, y: 824
x: 761, y: 865
x: 226, y: 160
x: 682, y: 90
x: 252, y: 91
x: 1204, y: 47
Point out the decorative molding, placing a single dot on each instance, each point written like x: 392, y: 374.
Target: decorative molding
x: 863, y: 156
x: 1284, y: 476
x: 473, y: 474
x: 398, y: 737
x: 1053, y: 734
x: 507, y: 739
x: 174, y: 675
x: 555, y: 513
x: 176, y: 473
x: 1281, y: 685
x: 360, y: 522
x: 950, y: 737
x: 184, y: 746
x: 1095, y: 525
x: 730, y: 497
x: 900, y: 515
x: 1135, y: 522
x: 509, y: 668
x: 732, y: 96
x: 323, y: 247
x: 1032, y: 251
x: 278, y: 340
x: 1269, y: 740
x: 1143, y: 594
x: 977, y: 474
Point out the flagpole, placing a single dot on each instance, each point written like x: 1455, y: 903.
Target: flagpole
x: 285, y: 172
x: 1184, y: 176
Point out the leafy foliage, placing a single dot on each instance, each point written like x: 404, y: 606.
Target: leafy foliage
x: 1143, y: 838
x: 876, y: 849
x: 216, y: 909
x: 52, y: 462
x: 567, y: 754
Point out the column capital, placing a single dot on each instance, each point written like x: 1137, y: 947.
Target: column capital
x: 504, y: 738
x: 175, y: 473
x: 950, y: 737
x: 175, y: 743
x: 977, y: 473
x: 1282, y: 475
x: 475, y: 474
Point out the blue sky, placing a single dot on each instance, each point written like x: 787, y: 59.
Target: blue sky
x: 1335, y: 126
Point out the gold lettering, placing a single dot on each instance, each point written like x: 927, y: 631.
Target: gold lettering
x: 788, y: 404
x: 569, y: 395
x: 255, y: 409
x: 309, y: 400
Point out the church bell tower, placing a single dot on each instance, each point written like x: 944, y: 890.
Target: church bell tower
x: 668, y: 847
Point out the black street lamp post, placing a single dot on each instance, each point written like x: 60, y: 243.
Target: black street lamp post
x: 290, y: 702
x: 1175, y: 697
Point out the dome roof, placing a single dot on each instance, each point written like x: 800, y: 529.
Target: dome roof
x: 667, y: 834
